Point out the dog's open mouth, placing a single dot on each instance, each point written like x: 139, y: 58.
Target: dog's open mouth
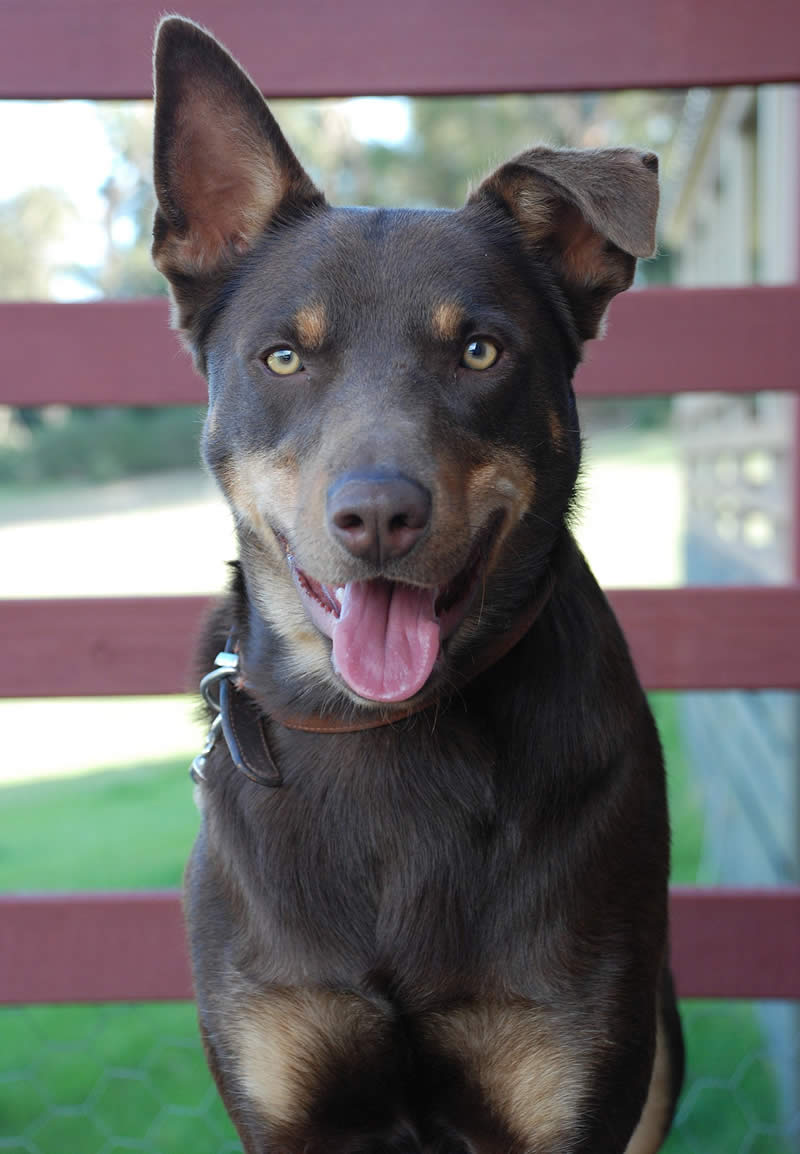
x: 386, y: 635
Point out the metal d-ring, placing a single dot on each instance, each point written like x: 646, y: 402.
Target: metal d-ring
x: 221, y: 701
x: 198, y: 766
x: 226, y: 665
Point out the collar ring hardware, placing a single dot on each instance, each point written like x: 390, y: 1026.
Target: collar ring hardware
x: 226, y: 665
x: 238, y: 722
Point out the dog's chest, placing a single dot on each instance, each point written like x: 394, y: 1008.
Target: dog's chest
x: 388, y: 857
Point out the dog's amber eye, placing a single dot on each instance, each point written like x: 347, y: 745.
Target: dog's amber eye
x: 283, y: 361
x: 480, y: 354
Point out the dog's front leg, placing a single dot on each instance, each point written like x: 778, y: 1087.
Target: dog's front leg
x: 529, y: 1080
x: 313, y: 1071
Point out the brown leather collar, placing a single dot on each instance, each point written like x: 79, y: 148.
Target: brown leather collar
x: 242, y: 719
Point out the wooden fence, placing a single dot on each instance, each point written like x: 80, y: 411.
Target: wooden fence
x: 121, y: 947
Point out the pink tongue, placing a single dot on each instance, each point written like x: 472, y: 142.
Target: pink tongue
x: 386, y: 639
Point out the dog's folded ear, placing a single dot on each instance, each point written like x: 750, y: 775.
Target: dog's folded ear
x: 222, y: 168
x: 590, y: 213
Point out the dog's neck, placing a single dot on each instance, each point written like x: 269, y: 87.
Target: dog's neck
x: 243, y: 709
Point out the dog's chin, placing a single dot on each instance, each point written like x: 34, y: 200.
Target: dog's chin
x: 388, y: 638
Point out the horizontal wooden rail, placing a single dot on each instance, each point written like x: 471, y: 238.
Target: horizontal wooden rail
x: 92, y: 948
x: 98, y: 646
x: 659, y: 341
x: 712, y: 638
x: 90, y: 48
x: 130, y: 946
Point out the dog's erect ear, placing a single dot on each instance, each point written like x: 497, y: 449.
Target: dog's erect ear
x: 589, y: 212
x: 222, y: 168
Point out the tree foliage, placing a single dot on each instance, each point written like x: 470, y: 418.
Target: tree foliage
x: 31, y: 225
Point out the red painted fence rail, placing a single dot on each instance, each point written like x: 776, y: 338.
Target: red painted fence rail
x: 59, y: 948
x: 692, y: 638
x: 93, y: 49
x: 661, y: 340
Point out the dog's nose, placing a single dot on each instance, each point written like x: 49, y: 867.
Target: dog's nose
x: 378, y: 516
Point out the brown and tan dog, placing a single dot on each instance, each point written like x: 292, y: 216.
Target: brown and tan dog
x: 430, y: 912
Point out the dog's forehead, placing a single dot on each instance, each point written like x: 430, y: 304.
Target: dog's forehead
x: 404, y: 262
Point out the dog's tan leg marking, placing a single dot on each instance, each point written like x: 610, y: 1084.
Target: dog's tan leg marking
x: 446, y: 320
x: 311, y: 325
x: 556, y: 429
x: 651, y: 1130
x: 285, y: 1039
x: 531, y: 1079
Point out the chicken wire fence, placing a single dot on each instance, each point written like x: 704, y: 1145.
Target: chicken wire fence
x: 113, y: 1079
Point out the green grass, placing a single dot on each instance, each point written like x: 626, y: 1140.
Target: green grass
x: 103, y: 1079
x: 73, y: 1078
x: 117, y: 829
x: 685, y: 810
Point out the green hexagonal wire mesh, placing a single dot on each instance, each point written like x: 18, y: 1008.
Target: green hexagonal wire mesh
x: 112, y: 1079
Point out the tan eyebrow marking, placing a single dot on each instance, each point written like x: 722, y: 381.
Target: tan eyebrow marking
x: 311, y: 325
x: 446, y: 320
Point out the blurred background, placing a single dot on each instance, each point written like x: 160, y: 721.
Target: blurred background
x: 689, y: 489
